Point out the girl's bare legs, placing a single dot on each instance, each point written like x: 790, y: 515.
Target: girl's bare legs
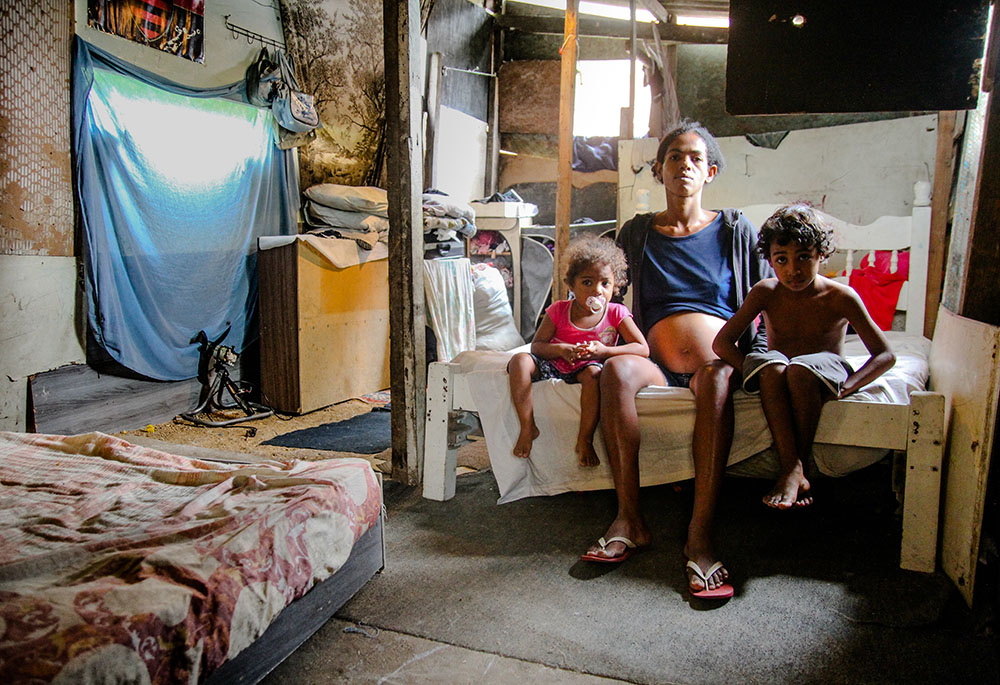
x: 520, y: 371
x: 590, y: 396
x: 713, y: 438
x: 622, y: 377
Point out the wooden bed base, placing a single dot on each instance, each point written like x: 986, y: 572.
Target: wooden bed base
x: 916, y: 429
x: 303, y: 617
x: 945, y: 433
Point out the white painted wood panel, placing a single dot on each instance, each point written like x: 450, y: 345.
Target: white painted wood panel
x: 965, y: 367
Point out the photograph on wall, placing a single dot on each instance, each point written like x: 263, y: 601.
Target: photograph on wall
x: 174, y: 26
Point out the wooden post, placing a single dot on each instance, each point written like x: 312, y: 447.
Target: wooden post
x: 564, y: 184
x: 982, y: 262
x: 628, y: 125
x: 407, y: 322
x: 434, y: 72
x: 940, y: 199
x: 492, y: 181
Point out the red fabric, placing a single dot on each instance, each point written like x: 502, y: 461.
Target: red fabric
x: 879, y: 289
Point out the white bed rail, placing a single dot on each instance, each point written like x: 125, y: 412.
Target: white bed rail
x: 887, y: 233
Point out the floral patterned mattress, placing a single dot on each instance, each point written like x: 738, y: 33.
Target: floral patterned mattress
x: 120, y: 563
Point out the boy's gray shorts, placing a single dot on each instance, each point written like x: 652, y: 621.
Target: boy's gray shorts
x: 829, y: 367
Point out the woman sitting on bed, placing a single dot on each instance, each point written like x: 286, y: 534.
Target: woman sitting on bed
x: 690, y: 269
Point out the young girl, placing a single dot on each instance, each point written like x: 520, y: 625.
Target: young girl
x: 574, y: 338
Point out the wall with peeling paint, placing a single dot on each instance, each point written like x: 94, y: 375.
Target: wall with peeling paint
x: 856, y: 172
x: 40, y: 302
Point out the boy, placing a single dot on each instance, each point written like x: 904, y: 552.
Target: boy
x: 806, y: 317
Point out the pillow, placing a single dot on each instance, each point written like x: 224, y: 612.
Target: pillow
x: 350, y: 198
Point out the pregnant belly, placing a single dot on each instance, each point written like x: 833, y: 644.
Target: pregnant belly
x: 683, y: 342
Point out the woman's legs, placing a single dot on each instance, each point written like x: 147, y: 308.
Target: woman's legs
x: 520, y: 371
x: 620, y: 380
x: 590, y: 396
x: 713, y: 438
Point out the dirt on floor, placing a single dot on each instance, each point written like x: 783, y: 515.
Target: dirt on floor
x: 249, y: 437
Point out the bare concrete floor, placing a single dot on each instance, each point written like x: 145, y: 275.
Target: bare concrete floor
x: 343, y: 652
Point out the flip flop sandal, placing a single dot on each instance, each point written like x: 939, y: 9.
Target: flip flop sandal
x: 724, y: 591
x: 603, y: 544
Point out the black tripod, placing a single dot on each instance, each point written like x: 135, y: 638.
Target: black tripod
x: 213, y: 372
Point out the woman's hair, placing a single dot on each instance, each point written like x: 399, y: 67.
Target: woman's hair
x: 688, y: 126
x: 798, y: 223
x: 591, y: 250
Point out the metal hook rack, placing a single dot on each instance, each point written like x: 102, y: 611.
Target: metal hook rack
x: 469, y: 71
x: 252, y: 36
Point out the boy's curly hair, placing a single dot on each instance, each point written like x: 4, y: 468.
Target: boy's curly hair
x: 591, y: 250
x: 799, y: 223
x: 712, y: 150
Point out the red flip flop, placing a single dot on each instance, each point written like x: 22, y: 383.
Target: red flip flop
x: 603, y: 544
x: 724, y: 591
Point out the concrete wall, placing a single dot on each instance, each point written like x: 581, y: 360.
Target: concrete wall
x: 40, y: 309
x: 856, y: 172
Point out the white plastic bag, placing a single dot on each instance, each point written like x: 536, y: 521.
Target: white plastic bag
x: 495, y: 328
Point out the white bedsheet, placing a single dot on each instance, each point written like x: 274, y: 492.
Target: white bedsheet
x: 666, y: 418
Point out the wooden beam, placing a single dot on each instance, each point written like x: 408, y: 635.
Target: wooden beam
x: 434, y: 79
x: 407, y: 320
x: 944, y: 165
x: 564, y: 189
x: 982, y: 260
x: 615, y: 28
x: 492, y: 179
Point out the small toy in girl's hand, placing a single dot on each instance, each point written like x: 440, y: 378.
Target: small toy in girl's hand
x: 595, y: 303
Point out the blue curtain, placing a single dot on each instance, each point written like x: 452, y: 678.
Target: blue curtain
x: 175, y: 185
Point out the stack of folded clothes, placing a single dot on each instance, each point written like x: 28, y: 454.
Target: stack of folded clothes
x: 354, y: 212
x: 446, y: 224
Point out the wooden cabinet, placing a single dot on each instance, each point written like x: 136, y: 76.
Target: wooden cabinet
x: 324, y: 329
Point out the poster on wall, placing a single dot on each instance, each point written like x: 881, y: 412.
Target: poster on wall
x: 174, y: 26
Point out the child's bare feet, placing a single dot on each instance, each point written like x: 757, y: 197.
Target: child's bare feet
x: 790, y: 490
x: 522, y: 448
x: 586, y: 453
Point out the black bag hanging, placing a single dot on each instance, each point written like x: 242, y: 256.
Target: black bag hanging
x: 263, y: 78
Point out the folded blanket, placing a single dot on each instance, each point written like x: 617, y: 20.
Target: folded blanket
x: 442, y: 205
x: 366, y: 199
x: 447, y: 223
x: 321, y: 216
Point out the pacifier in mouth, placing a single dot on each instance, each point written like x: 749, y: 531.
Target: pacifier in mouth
x: 595, y: 303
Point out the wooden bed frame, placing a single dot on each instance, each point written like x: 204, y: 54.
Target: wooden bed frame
x: 917, y: 429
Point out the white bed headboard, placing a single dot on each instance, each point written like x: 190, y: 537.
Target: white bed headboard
x: 889, y: 233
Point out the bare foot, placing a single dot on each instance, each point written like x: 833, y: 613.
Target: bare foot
x: 586, y: 453
x: 705, y: 559
x: 522, y: 448
x: 634, y: 531
x: 790, y: 491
